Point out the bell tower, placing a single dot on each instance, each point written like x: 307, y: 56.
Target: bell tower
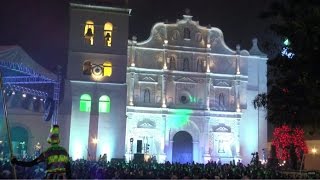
x: 96, y: 80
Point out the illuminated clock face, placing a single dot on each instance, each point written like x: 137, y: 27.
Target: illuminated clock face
x: 97, y: 70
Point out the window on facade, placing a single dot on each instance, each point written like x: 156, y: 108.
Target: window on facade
x: 104, y: 104
x: 172, y: 63
x: 146, y: 96
x: 107, y: 68
x: 184, y: 99
x: 199, y: 68
x: 221, y: 99
x: 108, y: 33
x: 186, y: 34
x: 89, y: 32
x: 204, y: 65
x: 85, y: 103
x: 185, y: 64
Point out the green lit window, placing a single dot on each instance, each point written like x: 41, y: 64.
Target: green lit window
x: 85, y: 103
x: 104, y: 104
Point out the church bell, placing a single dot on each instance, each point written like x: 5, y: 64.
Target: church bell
x: 107, y: 37
x: 89, y: 33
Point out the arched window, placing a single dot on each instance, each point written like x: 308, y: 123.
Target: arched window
x: 186, y: 34
x: 108, y: 33
x: 89, y: 32
x: 146, y: 96
x: 185, y: 64
x: 221, y: 99
x: 172, y: 63
x: 204, y: 65
x: 85, y: 103
x: 107, y: 68
x: 104, y: 104
x: 199, y: 65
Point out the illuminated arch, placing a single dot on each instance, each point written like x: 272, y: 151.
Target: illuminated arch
x: 104, y: 104
x: 107, y: 68
x: 85, y: 103
x: 89, y: 32
x: 108, y: 27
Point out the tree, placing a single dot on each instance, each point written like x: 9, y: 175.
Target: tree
x: 289, y: 143
x: 293, y: 96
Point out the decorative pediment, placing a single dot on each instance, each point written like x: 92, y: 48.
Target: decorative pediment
x: 185, y: 79
x: 148, y: 79
x: 146, y: 124
x: 222, y: 83
x: 221, y: 128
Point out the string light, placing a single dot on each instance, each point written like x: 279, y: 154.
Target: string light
x: 284, y: 136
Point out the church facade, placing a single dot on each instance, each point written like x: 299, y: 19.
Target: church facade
x: 190, y: 96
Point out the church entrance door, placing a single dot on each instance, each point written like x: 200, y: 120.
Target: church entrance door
x: 182, y: 150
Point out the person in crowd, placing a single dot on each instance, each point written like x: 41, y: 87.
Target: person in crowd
x: 55, y: 157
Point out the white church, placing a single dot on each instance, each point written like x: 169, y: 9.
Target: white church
x: 182, y: 95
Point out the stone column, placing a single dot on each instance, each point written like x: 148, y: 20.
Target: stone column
x: 131, y: 89
x: 195, y: 151
x: 208, y: 83
x: 169, y: 152
x: 163, y: 91
x: 133, y: 50
x: 237, y: 85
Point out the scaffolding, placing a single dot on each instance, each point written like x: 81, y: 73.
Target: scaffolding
x: 22, y: 74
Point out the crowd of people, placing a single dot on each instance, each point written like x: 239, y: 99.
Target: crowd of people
x: 83, y: 169
x: 55, y: 163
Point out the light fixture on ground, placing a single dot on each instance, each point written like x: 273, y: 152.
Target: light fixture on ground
x: 314, y: 150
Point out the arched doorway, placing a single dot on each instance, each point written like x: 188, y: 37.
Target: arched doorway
x: 182, y: 149
x: 19, y: 136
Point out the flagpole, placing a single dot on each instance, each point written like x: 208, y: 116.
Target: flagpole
x: 7, y: 125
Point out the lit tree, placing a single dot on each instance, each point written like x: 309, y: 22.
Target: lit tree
x: 284, y: 137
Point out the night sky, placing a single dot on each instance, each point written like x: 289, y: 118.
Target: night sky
x: 40, y: 27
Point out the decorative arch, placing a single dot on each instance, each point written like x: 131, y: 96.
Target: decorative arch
x: 104, y: 104
x: 172, y: 63
x: 221, y: 99
x: 89, y: 32
x: 85, y: 103
x: 190, y: 127
x: 108, y: 28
